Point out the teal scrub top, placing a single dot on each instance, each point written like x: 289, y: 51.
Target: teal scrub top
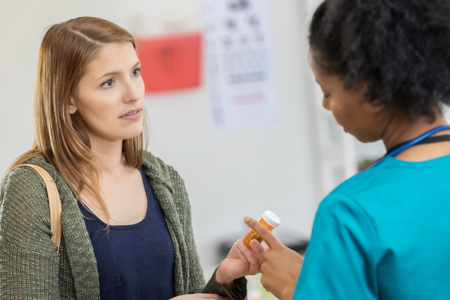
x: 382, y: 234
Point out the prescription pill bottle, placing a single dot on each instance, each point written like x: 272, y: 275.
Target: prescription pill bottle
x: 268, y: 220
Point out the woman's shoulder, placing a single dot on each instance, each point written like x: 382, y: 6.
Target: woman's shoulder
x: 156, y: 169
x: 23, y: 190
x: 25, y: 175
x: 169, y: 184
x: 153, y: 162
x: 24, y: 180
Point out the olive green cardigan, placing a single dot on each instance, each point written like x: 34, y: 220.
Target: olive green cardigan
x: 30, y: 268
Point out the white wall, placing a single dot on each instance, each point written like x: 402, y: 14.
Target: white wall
x: 228, y: 175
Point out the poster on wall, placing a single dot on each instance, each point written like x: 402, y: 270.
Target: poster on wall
x: 240, y: 63
x: 170, y: 62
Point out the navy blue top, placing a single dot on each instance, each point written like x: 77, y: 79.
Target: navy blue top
x: 134, y: 261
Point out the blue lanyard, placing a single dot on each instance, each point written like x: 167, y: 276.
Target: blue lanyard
x: 412, y: 143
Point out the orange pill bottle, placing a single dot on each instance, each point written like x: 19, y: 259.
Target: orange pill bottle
x: 268, y: 220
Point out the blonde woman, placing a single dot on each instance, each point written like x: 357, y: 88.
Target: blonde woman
x: 126, y: 219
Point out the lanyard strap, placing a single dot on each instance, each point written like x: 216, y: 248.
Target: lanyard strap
x: 411, y: 143
x: 429, y: 140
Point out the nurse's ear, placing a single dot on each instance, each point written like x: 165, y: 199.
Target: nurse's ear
x: 377, y: 107
x: 72, y: 107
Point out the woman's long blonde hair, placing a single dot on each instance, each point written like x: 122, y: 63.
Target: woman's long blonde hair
x: 66, y: 50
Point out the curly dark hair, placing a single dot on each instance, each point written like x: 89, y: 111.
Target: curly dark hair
x: 400, y: 48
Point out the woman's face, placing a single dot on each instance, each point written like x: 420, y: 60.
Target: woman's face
x: 109, y: 97
x: 362, y: 119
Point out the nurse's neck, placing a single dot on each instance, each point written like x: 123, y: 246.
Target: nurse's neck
x: 400, y: 129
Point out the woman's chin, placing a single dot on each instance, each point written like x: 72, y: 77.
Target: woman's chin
x: 132, y: 134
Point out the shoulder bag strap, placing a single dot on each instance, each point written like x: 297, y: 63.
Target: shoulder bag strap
x: 54, y: 203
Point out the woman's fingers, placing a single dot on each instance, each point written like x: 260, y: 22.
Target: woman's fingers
x: 209, y: 297
x: 257, y: 247
x: 200, y: 296
x: 242, y: 257
x: 249, y: 256
x: 213, y: 297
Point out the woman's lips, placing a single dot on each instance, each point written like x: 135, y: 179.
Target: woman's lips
x: 136, y: 115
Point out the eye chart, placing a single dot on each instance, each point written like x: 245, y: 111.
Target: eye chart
x: 240, y: 63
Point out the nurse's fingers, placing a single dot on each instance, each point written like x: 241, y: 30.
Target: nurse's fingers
x: 266, y: 235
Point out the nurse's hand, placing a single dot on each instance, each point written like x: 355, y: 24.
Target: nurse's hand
x: 239, y: 262
x: 280, y: 266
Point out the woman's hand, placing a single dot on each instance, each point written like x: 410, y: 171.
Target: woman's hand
x: 280, y: 266
x: 239, y: 262
x: 200, y: 296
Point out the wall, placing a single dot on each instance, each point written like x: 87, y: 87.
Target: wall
x: 228, y: 174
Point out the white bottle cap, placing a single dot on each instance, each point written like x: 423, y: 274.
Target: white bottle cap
x: 271, y: 218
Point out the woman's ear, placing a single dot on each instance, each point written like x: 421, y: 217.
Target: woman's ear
x: 72, y: 107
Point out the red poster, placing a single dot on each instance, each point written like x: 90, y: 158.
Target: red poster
x: 170, y: 62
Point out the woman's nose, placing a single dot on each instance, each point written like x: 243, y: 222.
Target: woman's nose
x: 133, y: 91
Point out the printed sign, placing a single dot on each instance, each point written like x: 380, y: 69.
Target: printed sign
x: 240, y: 63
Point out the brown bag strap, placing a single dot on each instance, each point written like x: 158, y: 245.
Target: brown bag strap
x: 54, y: 203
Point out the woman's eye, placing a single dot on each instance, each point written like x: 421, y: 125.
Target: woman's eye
x: 326, y: 95
x: 136, y: 72
x: 108, y: 83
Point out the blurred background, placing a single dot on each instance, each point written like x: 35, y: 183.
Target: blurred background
x: 232, y: 103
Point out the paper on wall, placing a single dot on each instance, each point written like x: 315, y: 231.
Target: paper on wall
x: 240, y: 63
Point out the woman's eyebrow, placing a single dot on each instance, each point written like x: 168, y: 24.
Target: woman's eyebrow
x: 117, y: 72
x: 137, y: 64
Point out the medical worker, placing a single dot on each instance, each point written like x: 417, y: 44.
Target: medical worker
x: 384, y: 69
